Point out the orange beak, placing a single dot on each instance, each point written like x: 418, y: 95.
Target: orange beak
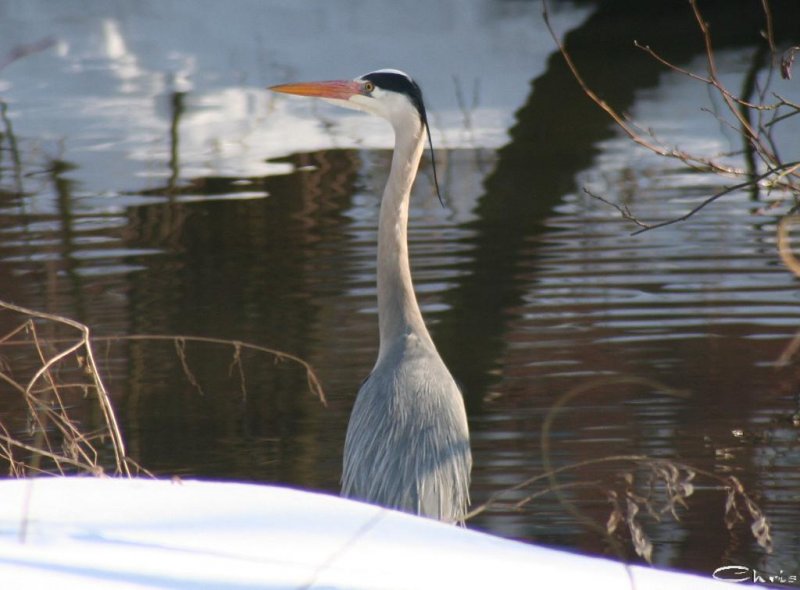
x: 341, y: 89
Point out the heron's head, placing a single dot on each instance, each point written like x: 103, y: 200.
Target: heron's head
x: 390, y: 94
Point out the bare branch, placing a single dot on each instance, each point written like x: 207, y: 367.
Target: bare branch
x: 711, y: 81
x: 623, y: 210
x: 769, y: 33
x: 726, y: 191
x: 764, y: 166
x: 696, y: 162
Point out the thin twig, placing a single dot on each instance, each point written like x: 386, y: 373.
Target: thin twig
x: 180, y: 350
x: 704, y: 203
x: 314, y: 384
x: 623, y: 210
x: 705, y: 80
x: 39, y: 451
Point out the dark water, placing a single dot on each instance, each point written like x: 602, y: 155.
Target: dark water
x: 663, y: 344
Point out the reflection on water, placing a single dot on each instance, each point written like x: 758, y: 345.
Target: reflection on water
x: 531, y: 288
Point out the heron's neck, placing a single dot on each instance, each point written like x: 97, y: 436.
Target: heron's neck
x: 398, y: 310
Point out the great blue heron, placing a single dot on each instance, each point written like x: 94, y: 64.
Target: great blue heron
x: 407, y: 444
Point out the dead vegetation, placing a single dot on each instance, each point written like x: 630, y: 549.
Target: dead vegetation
x: 48, y: 380
x: 59, y: 418
x: 642, y: 490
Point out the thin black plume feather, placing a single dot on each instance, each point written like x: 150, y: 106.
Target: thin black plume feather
x: 397, y: 81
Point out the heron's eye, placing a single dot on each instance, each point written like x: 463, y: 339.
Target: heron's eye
x: 369, y: 87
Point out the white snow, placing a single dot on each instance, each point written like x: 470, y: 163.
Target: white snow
x: 85, y: 533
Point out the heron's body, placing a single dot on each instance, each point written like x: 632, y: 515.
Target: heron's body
x: 407, y: 444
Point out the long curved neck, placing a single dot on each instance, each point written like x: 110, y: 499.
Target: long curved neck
x: 398, y: 310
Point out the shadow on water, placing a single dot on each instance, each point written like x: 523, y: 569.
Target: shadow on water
x: 555, y: 137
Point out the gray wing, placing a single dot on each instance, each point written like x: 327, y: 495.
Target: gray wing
x: 407, y: 444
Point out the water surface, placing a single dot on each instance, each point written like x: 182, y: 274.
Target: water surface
x: 151, y: 186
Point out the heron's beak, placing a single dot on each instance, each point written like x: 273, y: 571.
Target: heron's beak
x: 336, y: 89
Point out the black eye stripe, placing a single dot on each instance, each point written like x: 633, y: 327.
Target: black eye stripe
x: 398, y: 83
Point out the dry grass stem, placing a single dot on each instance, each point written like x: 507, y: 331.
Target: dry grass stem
x: 314, y: 383
x: 180, y: 349
x: 54, y: 435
